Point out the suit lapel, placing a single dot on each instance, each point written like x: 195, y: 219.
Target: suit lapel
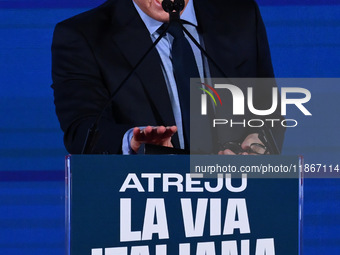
x: 217, y: 42
x: 133, y: 39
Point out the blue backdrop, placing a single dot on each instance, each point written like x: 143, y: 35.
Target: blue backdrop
x: 304, y: 36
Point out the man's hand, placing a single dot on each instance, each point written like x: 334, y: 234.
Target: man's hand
x: 250, y: 139
x: 154, y: 135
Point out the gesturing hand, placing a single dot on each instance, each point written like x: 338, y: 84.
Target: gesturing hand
x: 154, y: 135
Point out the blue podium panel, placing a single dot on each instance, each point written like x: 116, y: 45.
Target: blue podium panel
x: 140, y: 205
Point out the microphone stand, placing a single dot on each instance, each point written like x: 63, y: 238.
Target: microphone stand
x: 173, y: 8
x: 92, y: 133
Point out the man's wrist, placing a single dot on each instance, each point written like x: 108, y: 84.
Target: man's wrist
x: 126, y: 144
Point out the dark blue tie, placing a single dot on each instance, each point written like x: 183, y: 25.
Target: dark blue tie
x: 185, y: 67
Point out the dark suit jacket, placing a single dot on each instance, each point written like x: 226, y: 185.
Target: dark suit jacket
x: 94, y: 51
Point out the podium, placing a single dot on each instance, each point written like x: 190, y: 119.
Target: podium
x: 141, y: 205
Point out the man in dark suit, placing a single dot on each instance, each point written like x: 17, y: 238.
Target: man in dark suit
x: 93, y: 52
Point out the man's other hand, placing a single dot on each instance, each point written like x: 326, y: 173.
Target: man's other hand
x: 250, y: 139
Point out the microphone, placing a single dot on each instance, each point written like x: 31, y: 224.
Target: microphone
x: 174, y: 8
